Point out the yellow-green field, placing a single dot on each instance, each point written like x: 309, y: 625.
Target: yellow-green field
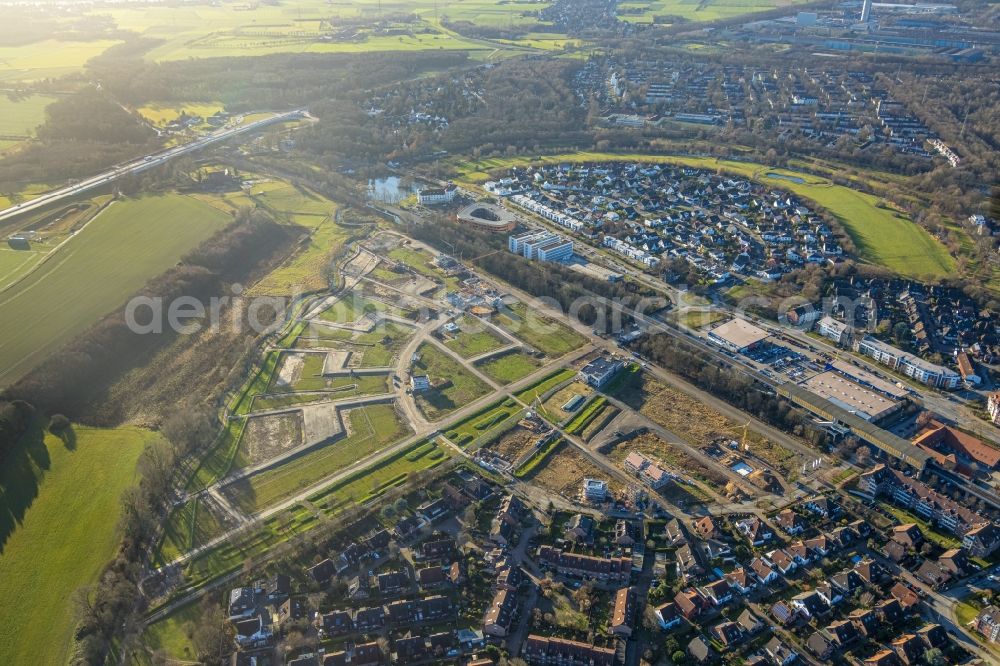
x: 882, y: 235
x: 60, y: 513
x: 95, y: 271
x: 162, y: 114
x: 304, y: 270
x: 233, y: 28
x: 48, y: 59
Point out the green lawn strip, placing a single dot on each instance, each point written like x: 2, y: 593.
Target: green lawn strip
x: 371, y: 482
x: 931, y: 533
x: 220, y: 457
x: 258, y: 384
x: 583, y: 419
x: 460, y: 386
x: 347, y: 310
x: 544, y: 334
x: 61, y: 506
x: 538, y: 458
x: 544, y: 385
x: 622, y: 380
x: 965, y: 613
x: 509, y: 367
x: 372, y: 427
x: 483, y: 422
x: 230, y: 556
x: 277, y: 401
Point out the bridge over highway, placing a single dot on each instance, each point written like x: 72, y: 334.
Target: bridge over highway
x: 142, y: 164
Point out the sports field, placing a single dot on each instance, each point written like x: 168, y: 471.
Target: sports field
x: 60, y: 507
x: 882, y: 235
x: 95, y: 272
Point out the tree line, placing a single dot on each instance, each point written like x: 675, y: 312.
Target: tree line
x: 83, y: 133
x: 15, y: 419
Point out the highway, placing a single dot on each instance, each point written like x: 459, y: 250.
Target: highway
x: 141, y: 164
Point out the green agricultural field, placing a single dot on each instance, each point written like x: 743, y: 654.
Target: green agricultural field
x: 14, y: 264
x: 544, y: 334
x: 203, y: 31
x: 462, y: 387
x: 95, y: 272
x: 474, y: 338
x: 48, y: 59
x: 509, y: 367
x: 883, y: 235
x: 372, y: 428
x: 61, y: 504
x: 20, y: 118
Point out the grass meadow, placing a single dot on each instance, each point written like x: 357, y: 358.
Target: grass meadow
x: 165, y: 113
x: 48, y: 59
x: 61, y: 501
x: 509, y: 367
x: 544, y: 334
x: 460, y: 386
x: 95, y: 272
x: 20, y: 118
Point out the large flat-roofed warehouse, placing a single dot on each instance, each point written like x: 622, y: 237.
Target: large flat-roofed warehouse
x: 865, y: 378
x: 855, y: 398
x: 738, y: 335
